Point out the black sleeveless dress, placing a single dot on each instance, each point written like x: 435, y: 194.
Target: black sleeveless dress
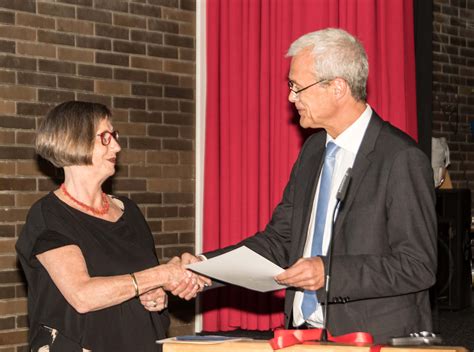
x: 109, y: 248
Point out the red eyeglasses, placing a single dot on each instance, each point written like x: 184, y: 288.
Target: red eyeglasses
x: 106, y: 137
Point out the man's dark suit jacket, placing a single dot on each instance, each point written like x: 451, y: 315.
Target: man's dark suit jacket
x: 384, y: 255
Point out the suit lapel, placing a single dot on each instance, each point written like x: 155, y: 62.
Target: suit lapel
x: 361, y: 165
x: 313, y: 171
x: 359, y: 169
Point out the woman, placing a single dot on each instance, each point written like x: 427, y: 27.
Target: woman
x: 94, y: 282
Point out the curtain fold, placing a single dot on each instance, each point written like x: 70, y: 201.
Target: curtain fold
x: 252, y: 131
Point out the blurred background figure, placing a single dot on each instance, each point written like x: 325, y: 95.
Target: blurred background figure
x: 440, y: 161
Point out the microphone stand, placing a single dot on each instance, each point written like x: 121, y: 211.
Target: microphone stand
x: 340, y: 196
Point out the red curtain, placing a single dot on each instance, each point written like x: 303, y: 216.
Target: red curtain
x: 252, y: 133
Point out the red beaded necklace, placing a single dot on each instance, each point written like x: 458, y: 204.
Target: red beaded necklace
x: 105, y: 203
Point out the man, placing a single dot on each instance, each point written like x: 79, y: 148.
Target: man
x: 384, y: 241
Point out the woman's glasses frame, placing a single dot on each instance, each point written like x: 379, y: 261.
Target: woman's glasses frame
x: 106, y: 137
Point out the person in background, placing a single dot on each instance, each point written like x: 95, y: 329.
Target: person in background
x: 94, y: 281
x: 384, y: 242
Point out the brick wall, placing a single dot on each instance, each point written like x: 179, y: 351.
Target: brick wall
x: 453, y: 85
x: 137, y: 57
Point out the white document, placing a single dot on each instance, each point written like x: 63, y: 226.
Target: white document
x: 241, y: 267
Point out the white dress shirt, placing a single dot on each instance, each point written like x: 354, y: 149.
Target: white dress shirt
x: 349, y: 142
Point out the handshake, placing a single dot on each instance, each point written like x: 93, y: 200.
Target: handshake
x: 175, y: 278
x: 304, y: 274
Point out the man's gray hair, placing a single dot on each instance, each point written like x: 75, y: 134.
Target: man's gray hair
x: 336, y: 54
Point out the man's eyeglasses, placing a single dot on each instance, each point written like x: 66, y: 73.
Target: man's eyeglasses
x: 106, y: 137
x: 291, y: 85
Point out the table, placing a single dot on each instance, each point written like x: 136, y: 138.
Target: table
x: 264, y: 346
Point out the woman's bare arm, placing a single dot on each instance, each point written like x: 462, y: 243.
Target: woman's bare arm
x: 67, y: 268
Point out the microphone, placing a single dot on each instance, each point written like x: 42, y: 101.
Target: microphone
x: 341, y: 192
x: 340, y: 197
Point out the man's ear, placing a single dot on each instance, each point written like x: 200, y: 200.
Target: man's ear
x: 340, y: 88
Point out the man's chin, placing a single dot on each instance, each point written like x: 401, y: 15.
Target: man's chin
x: 304, y: 123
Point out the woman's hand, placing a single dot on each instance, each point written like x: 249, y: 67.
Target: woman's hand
x: 189, y: 288
x: 188, y: 258
x: 186, y: 287
x: 174, y: 274
x: 154, y: 300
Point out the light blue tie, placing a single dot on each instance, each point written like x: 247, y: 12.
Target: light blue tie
x: 310, y: 300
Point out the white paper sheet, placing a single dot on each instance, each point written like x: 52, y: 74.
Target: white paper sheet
x: 242, y: 267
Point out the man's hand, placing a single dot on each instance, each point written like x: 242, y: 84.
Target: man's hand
x: 306, y: 273
x: 188, y: 258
